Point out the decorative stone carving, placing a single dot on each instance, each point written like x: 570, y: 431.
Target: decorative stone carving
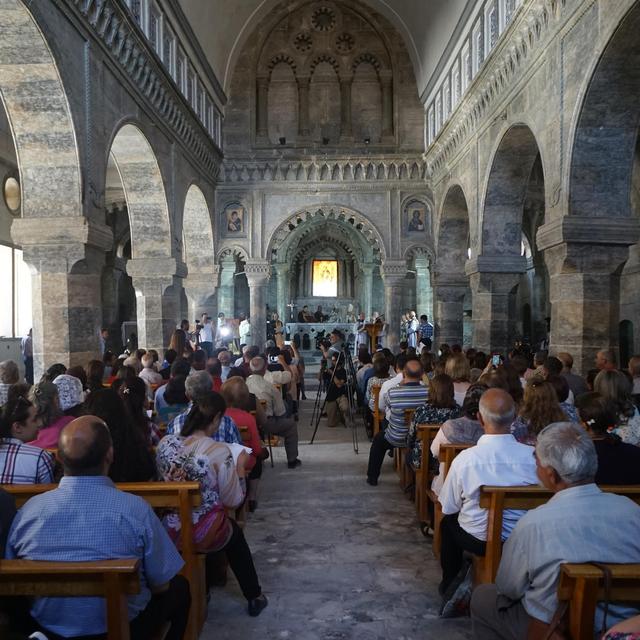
x: 323, y: 19
x: 345, y: 43
x: 303, y: 42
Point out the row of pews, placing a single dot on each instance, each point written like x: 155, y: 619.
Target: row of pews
x: 581, y: 586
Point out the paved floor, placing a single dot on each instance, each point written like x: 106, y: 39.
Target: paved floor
x: 338, y: 559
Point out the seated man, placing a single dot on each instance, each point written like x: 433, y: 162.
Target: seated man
x: 580, y: 523
x: 393, y: 381
x: 409, y: 394
x: 337, y: 400
x: 277, y: 421
x: 497, y: 459
x: 86, y: 518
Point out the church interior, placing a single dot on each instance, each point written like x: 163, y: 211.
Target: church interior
x: 249, y: 248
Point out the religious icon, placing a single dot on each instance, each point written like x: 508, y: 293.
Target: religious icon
x: 416, y: 221
x: 233, y: 218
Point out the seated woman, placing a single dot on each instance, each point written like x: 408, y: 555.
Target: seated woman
x: 457, y: 368
x: 618, y: 462
x: 132, y: 458
x: 616, y: 386
x: 540, y: 408
x: 95, y: 375
x: 22, y: 463
x: 44, y: 396
x: 440, y: 407
x: 381, y: 372
x: 464, y: 430
x: 134, y: 395
x: 561, y: 387
x: 195, y: 456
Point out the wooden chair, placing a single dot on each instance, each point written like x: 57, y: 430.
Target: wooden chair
x: 112, y: 580
x: 497, y: 499
x: 446, y: 455
x: 424, y: 475
x: 581, y: 585
x: 268, y: 435
x: 400, y: 456
x: 375, y: 394
x: 182, y: 497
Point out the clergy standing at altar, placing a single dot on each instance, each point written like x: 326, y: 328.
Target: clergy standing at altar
x: 412, y: 329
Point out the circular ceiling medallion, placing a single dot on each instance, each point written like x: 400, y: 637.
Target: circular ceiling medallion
x: 323, y: 19
x: 11, y: 194
x: 303, y: 42
x: 345, y: 42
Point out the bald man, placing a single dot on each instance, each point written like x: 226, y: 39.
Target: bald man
x: 409, y: 394
x: 498, y: 459
x: 87, y: 518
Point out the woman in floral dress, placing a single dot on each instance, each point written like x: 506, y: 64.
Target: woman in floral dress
x: 195, y: 456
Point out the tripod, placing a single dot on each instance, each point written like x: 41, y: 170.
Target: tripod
x: 344, y: 358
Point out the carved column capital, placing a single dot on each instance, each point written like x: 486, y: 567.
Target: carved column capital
x: 258, y: 272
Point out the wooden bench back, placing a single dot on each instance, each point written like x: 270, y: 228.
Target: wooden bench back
x: 497, y: 499
x: 112, y: 580
x: 448, y: 453
x: 424, y: 476
x: 375, y: 394
x: 581, y: 585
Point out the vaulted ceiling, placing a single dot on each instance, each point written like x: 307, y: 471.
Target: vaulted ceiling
x: 222, y: 27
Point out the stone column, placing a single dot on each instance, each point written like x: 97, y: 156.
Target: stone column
x: 262, y: 113
x: 66, y: 256
x: 393, y: 275
x: 449, y: 310
x: 346, y: 129
x: 303, y: 107
x: 283, y: 290
x: 367, y: 289
x: 424, y: 291
x: 157, y: 283
x: 386, y: 80
x: 226, y: 290
x: 257, y: 272
x: 584, y: 280
x: 200, y: 289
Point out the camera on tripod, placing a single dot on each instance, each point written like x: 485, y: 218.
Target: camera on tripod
x: 322, y: 341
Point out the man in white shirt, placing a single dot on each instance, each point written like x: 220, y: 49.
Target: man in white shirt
x: 206, y: 335
x: 498, y: 459
x: 277, y: 421
x: 383, y: 405
x: 245, y: 330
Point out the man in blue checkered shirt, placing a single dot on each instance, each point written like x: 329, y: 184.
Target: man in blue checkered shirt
x: 86, y: 519
x: 425, y: 329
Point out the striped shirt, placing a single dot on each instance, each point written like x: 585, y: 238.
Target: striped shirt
x: 23, y: 463
x: 410, y: 395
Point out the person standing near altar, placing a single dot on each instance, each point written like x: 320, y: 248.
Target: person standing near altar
x: 362, y: 337
x: 412, y: 329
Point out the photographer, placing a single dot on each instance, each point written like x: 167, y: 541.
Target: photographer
x: 337, y: 405
x: 336, y: 344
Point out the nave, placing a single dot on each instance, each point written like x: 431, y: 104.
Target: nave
x: 337, y: 559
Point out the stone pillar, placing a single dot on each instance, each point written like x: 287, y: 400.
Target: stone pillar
x: 346, y: 129
x: 200, y: 289
x: 393, y: 275
x: 257, y: 272
x: 424, y: 291
x: 157, y: 283
x: 584, y: 281
x: 283, y: 290
x: 303, y: 107
x: 226, y: 290
x: 449, y: 311
x: 66, y: 256
x: 367, y: 290
x: 262, y: 113
x: 386, y: 80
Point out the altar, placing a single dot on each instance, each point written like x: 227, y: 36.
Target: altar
x: 304, y: 334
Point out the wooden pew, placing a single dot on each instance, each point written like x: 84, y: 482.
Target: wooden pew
x: 375, y: 394
x: 497, y: 499
x: 182, y: 497
x: 424, y: 476
x: 112, y: 580
x: 446, y: 455
x: 400, y: 456
x: 582, y: 586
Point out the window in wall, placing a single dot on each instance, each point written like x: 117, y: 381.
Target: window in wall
x: 181, y: 66
x: 507, y: 9
x: 477, y: 43
x: 135, y: 6
x: 455, y: 85
x: 199, y: 98
x: 15, y: 312
x: 155, y: 27
x: 438, y: 112
x: 191, y: 86
x: 446, y: 99
x: 490, y: 27
x: 169, y: 49
x: 325, y: 278
x: 465, y: 64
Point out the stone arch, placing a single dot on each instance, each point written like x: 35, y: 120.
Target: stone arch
x: 505, y: 192
x: 324, y: 57
x: 197, y: 231
x: 233, y: 250
x: 368, y: 58
x: 452, y: 236
x: 607, y: 128
x: 281, y: 58
x: 144, y: 191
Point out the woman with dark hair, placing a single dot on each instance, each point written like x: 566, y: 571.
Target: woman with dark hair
x: 134, y: 396
x: 440, y: 407
x: 561, y: 387
x: 540, y: 408
x: 132, y: 459
x: 95, y: 374
x: 617, y: 387
x: 80, y: 373
x: 195, y: 456
x: 21, y: 463
x: 179, y: 344
x: 618, y: 462
x: 53, y: 372
x: 46, y: 399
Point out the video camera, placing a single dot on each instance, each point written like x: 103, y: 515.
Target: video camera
x: 322, y: 340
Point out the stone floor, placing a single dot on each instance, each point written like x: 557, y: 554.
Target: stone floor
x: 337, y: 558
